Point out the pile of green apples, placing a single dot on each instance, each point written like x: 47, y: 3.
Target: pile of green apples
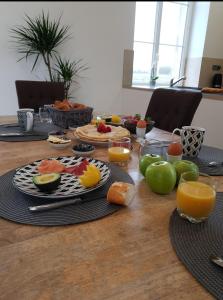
x: 162, y: 176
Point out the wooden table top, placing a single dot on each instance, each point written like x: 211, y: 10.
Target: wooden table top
x: 126, y: 255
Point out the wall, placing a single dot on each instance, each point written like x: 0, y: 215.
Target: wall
x: 198, y: 28
x: 214, y: 37
x: 196, y: 42
x: 101, y: 31
x: 213, y: 47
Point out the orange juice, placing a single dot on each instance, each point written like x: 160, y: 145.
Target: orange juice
x: 118, y: 154
x: 195, y: 199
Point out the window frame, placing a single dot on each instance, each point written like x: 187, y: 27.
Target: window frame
x: 156, y: 42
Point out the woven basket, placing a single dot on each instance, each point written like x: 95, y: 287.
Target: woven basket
x: 72, y: 118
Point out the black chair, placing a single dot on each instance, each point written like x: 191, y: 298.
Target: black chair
x: 34, y: 94
x: 173, y: 107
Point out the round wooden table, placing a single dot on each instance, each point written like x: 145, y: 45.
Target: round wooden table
x: 126, y: 255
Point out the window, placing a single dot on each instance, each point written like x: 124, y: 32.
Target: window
x: 160, y: 38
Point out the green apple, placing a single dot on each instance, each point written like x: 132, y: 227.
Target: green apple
x: 182, y: 166
x: 147, y: 160
x: 161, y: 177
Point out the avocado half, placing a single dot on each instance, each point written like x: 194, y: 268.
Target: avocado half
x: 47, y: 182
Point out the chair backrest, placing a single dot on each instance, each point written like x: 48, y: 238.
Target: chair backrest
x: 172, y: 107
x: 33, y: 94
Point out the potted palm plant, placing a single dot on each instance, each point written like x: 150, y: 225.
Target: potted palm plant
x: 40, y: 38
x: 68, y: 71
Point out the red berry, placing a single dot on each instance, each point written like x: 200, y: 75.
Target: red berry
x: 101, y: 127
x: 108, y: 129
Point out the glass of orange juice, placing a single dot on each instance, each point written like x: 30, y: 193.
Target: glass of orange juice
x: 119, y: 151
x: 195, y: 196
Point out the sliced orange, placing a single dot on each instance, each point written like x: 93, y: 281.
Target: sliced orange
x: 91, y: 176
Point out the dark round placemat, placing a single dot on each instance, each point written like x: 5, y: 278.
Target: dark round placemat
x: 194, y: 243
x: 14, y: 204
x: 40, y: 132
x: 35, y: 136
x: 206, y: 155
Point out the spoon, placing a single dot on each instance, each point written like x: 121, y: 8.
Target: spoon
x: 214, y: 164
x: 217, y: 260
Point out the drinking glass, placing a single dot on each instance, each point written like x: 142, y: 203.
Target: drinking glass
x: 119, y: 151
x: 44, y: 115
x: 196, y: 196
x: 152, y: 146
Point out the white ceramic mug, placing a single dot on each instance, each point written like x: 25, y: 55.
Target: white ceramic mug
x: 192, y: 139
x: 25, y: 118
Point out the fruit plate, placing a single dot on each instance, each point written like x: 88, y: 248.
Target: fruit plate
x: 69, y: 186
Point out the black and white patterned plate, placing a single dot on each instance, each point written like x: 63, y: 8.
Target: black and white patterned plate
x: 69, y: 186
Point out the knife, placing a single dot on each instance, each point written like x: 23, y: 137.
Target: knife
x: 12, y: 134
x: 10, y: 125
x: 62, y: 203
x: 54, y: 204
x: 18, y: 134
x: 217, y: 260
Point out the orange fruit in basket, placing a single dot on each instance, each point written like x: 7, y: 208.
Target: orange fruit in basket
x: 141, y: 124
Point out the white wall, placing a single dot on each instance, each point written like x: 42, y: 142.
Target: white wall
x: 101, y: 31
x: 214, y: 36
x: 196, y: 42
x: 198, y: 28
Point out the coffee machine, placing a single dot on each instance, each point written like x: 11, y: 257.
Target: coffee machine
x: 217, y: 80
